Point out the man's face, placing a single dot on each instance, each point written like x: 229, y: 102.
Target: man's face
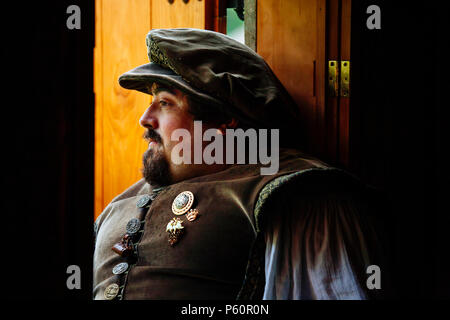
x: 167, y: 112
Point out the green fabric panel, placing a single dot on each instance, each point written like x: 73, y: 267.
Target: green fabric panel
x: 268, y: 189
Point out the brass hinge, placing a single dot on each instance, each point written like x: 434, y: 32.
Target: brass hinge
x: 345, y: 79
x: 339, y: 78
x: 333, y: 70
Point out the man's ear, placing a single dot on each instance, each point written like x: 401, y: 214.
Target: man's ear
x: 232, y: 124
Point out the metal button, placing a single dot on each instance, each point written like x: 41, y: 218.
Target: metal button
x: 111, y: 291
x: 120, y: 268
x: 144, y: 201
x: 133, y: 226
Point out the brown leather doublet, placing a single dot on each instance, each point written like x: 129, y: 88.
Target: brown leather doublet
x: 210, y: 259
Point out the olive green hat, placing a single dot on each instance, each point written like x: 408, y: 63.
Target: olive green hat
x: 219, y: 71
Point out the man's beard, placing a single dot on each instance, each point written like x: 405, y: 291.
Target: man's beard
x: 156, y: 167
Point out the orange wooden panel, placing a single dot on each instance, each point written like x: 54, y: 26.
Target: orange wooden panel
x: 288, y: 39
x: 216, y: 15
x: 121, y: 28
x: 178, y: 14
x: 332, y: 103
x: 344, y: 102
x: 98, y: 183
x: 320, y: 82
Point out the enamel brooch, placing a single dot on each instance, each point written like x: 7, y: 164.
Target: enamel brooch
x: 192, y: 214
x: 183, y: 203
x: 175, y: 229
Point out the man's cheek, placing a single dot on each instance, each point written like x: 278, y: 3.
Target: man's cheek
x: 174, y: 129
x: 178, y: 123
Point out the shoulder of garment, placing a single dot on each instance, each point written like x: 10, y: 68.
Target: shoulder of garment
x: 319, y: 238
x: 140, y: 187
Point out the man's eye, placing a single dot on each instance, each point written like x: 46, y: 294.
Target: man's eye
x: 163, y: 103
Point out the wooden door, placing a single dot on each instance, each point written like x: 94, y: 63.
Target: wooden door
x: 337, y: 107
x: 120, y: 30
x: 297, y: 38
x: 291, y: 38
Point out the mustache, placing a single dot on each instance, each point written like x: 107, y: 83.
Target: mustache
x: 151, y: 134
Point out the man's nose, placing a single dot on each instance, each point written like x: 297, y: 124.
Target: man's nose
x: 148, y: 119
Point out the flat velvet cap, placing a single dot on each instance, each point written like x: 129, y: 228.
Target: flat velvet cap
x: 219, y: 71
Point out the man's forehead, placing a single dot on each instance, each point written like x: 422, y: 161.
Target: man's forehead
x: 156, y: 87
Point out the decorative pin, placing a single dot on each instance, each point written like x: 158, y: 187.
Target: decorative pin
x: 192, y: 214
x: 182, y: 203
x: 175, y: 229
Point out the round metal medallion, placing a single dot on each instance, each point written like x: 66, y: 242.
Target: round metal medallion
x: 143, y: 201
x: 182, y: 203
x: 133, y: 226
x: 111, y: 291
x: 120, y: 268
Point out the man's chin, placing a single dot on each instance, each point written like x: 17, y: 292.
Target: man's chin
x: 156, y: 168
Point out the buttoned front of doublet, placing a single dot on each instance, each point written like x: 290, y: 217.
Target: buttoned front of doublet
x: 207, y: 249
x: 211, y: 257
x: 111, y: 232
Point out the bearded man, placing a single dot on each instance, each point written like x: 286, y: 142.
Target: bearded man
x: 222, y: 229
